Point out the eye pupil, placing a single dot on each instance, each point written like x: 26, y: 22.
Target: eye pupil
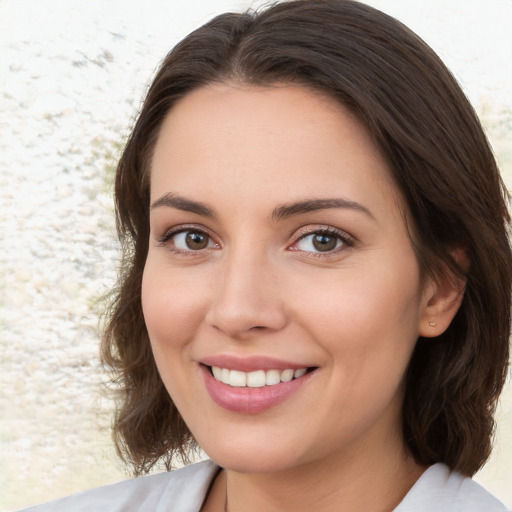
x: 196, y: 241
x: 324, y: 242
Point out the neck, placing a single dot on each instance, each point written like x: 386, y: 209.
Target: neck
x: 365, y: 484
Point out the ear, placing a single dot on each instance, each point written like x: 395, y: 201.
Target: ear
x: 442, y: 298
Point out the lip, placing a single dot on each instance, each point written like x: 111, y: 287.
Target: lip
x: 248, y: 400
x: 251, y: 364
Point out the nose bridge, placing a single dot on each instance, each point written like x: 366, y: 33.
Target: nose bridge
x: 247, y: 295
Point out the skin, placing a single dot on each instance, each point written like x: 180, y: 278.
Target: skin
x: 260, y: 287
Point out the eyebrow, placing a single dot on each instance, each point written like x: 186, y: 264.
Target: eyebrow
x: 284, y: 211
x: 181, y: 203
x: 288, y: 210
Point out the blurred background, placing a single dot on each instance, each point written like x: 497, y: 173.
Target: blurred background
x: 72, y: 76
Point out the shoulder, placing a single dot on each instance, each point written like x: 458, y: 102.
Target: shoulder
x: 443, y: 490
x: 184, y: 489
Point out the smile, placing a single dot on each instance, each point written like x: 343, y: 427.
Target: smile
x: 256, y: 390
x: 255, y: 379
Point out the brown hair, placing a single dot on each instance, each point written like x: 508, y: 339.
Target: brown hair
x: 441, y: 161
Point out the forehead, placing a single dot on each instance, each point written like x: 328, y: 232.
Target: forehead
x: 266, y: 142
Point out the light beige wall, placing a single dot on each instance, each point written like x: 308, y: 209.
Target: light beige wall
x: 72, y: 74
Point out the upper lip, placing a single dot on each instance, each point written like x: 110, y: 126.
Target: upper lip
x: 250, y: 364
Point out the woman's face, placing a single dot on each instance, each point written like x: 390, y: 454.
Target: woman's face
x: 278, y: 251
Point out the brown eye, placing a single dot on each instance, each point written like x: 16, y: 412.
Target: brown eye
x: 191, y: 241
x: 320, y: 242
x: 196, y: 241
x: 324, y: 243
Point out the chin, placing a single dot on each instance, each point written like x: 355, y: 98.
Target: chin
x: 246, y: 457
x: 248, y: 463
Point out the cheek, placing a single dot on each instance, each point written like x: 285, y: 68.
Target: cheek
x: 367, y: 314
x: 173, y: 306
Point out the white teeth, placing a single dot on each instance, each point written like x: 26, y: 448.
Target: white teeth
x: 237, y: 379
x: 286, y: 375
x: 256, y: 379
x: 272, y: 377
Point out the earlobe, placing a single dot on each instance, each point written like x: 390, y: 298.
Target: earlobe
x: 443, y: 297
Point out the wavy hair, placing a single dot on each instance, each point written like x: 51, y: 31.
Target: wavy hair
x: 441, y: 162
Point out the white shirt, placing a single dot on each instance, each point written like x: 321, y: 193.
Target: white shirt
x: 184, y: 490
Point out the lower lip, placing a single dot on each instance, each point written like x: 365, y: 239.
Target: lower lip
x: 250, y: 400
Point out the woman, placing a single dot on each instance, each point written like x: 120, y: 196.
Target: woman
x: 317, y: 273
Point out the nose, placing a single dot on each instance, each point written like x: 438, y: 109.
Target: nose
x: 247, y: 298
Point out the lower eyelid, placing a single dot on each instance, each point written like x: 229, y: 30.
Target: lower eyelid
x: 346, y: 240
x: 166, y: 241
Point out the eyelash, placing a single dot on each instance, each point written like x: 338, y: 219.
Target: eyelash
x: 346, y: 240
x: 168, y: 235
